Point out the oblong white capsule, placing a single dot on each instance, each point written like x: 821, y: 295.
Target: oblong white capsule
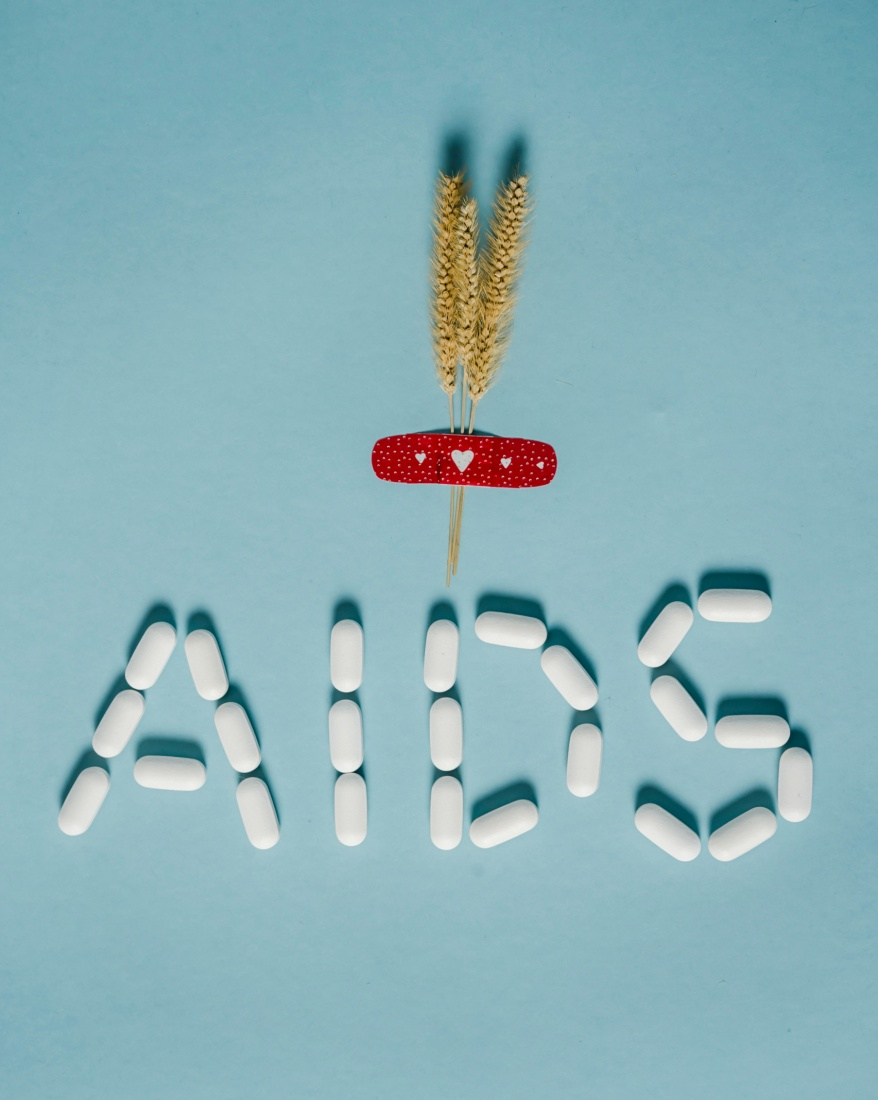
x: 504, y: 823
x: 667, y: 832
x: 446, y: 812
x: 569, y: 678
x: 206, y: 664
x: 742, y: 834
x: 351, y: 809
x: 667, y: 630
x: 441, y: 650
x: 734, y: 605
x: 257, y: 812
x: 150, y: 655
x: 345, y: 736
x: 346, y: 655
x: 584, y: 760
x: 446, y: 734
x: 118, y: 723
x: 678, y: 708
x: 83, y: 801
x: 795, y: 780
x: 170, y: 773
x: 237, y: 737
x: 752, y: 731
x: 516, y: 631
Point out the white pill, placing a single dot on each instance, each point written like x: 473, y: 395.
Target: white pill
x: 752, y: 731
x: 517, y: 631
x: 346, y: 655
x: 237, y: 737
x: 150, y: 655
x: 678, y: 708
x: 504, y: 823
x: 584, y: 760
x: 83, y: 801
x: 345, y: 735
x: 118, y: 723
x: 206, y: 664
x: 446, y: 734
x: 257, y: 812
x: 569, y: 678
x: 734, y: 605
x: 667, y: 832
x: 170, y: 773
x: 795, y: 780
x: 742, y: 834
x: 668, y: 629
x: 351, y: 810
x: 446, y: 812
x: 440, y: 655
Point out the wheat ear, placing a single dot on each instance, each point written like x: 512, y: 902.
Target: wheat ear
x: 449, y: 193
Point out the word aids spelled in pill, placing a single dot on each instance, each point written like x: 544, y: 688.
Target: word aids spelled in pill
x: 346, y: 655
x: 667, y: 832
x: 515, y: 631
x: 742, y: 834
x: 584, y: 760
x: 345, y: 736
x: 206, y: 664
x: 351, y: 812
x: 170, y: 773
x: 440, y: 655
x: 504, y: 824
x: 752, y: 731
x: 446, y: 812
x: 678, y: 708
x: 795, y: 778
x: 237, y: 737
x: 151, y: 655
x: 257, y: 812
x: 118, y: 723
x: 734, y: 605
x: 446, y: 734
x: 668, y: 629
x: 569, y: 678
x: 85, y: 798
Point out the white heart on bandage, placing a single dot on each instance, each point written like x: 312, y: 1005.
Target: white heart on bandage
x: 506, y: 463
x: 540, y: 465
x: 462, y: 459
x: 420, y: 457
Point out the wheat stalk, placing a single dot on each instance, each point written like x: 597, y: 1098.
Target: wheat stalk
x: 449, y: 193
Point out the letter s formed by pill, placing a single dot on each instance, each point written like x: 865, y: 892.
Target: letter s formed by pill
x: 345, y: 735
x: 742, y: 834
x: 584, y: 760
x: 667, y: 832
x: 83, y: 801
x: 569, y: 678
x: 752, y: 731
x: 257, y: 812
x: 446, y: 812
x: 351, y: 811
x: 504, y: 823
x: 678, y: 708
x: 206, y: 664
x: 441, y: 650
x: 795, y: 779
x: 515, y: 631
x: 237, y: 737
x: 668, y: 629
x: 150, y: 655
x: 119, y: 722
x: 446, y: 734
x: 346, y: 655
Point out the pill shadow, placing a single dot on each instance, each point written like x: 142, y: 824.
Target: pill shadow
x: 119, y: 684
x: 559, y: 636
x: 676, y: 591
x: 798, y: 740
x: 335, y: 696
x: 160, y: 612
x: 87, y: 759
x: 203, y: 620
x: 346, y: 608
x: 650, y: 792
x: 183, y: 748
x: 671, y: 668
x: 440, y: 611
x: 510, y: 605
x: 235, y: 694
x: 731, y: 705
x: 734, y: 578
x: 521, y: 788
x: 759, y: 796
x: 580, y: 718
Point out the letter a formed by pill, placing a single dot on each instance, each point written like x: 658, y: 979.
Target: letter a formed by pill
x: 206, y: 664
x: 83, y: 801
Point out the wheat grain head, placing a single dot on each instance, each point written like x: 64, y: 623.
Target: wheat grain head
x: 449, y: 193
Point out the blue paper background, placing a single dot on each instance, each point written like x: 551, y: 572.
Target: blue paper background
x: 214, y: 262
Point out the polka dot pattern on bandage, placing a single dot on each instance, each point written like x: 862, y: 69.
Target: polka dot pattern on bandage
x: 440, y: 458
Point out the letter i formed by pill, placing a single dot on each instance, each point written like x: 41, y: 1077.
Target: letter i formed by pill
x: 351, y: 812
x: 446, y: 812
x: 440, y: 655
x: 346, y: 655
